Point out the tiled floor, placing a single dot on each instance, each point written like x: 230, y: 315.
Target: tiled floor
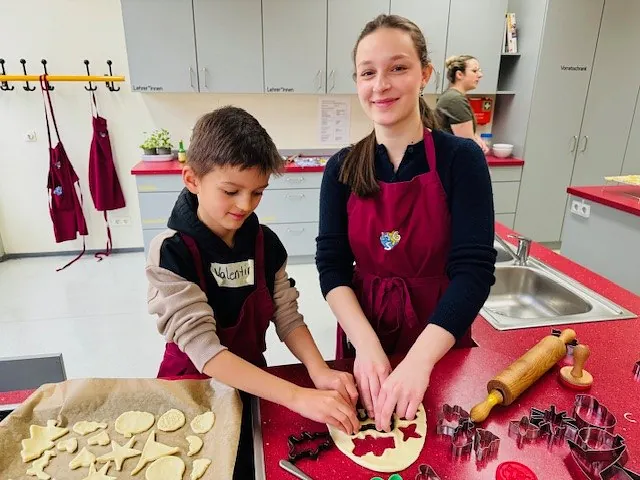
x: 95, y: 315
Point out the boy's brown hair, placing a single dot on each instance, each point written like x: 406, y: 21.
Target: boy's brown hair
x: 231, y: 136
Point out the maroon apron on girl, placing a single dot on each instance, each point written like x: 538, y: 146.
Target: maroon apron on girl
x: 103, y: 179
x: 65, y: 208
x: 246, y: 338
x: 401, y: 238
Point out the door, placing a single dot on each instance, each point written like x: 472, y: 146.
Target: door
x: 609, y: 111
x: 631, y: 165
x: 564, y: 68
x: 160, y: 41
x: 229, y: 45
x: 346, y: 19
x: 432, y: 16
x: 295, y: 45
x: 476, y: 27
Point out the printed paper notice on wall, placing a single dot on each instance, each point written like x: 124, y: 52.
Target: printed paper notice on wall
x: 335, y: 120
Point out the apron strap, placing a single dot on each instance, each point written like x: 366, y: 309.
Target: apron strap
x: 107, y: 251
x: 192, y: 246
x: 44, y: 87
x: 430, y: 150
x: 261, y: 280
x: 84, y: 248
x: 93, y: 104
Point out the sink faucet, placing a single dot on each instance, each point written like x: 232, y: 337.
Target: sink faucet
x: 522, y: 253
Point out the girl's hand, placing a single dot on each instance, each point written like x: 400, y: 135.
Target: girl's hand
x: 325, y: 406
x: 371, y: 368
x: 342, y: 382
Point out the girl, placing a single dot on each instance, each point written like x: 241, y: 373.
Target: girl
x: 413, y: 207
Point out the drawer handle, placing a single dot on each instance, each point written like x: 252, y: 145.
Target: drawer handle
x: 294, y: 179
x: 295, y: 231
x: 298, y: 196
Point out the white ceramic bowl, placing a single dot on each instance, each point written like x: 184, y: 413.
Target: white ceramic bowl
x: 502, y: 150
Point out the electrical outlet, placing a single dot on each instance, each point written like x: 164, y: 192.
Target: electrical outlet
x: 580, y: 208
x: 120, y: 221
x: 30, y: 136
x: 585, y: 210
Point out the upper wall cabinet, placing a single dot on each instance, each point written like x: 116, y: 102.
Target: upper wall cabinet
x: 229, y: 45
x: 347, y: 18
x: 432, y: 18
x: 295, y: 45
x: 476, y: 27
x: 160, y: 48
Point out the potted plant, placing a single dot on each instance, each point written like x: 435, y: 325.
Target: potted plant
x: 149, y: 145
x: 163, y: 142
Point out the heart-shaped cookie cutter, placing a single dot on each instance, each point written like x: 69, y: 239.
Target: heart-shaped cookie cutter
x: 589, y: 412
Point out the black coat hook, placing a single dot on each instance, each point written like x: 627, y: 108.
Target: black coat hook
x: 90, y: 88
x: 44, y: 64
x: 111, y: 85
x: 24, y: 69
x: 4, y: 86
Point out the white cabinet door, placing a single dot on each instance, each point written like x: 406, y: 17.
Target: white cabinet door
x: 229, y: 45
x: 295, y: 45
x: 476, y: 27
x: 631, y: 165
x: 557, y: 106
x: 432, y: 16
x: 161, y: 51
x: 346, y: 19
x: 609, y: 109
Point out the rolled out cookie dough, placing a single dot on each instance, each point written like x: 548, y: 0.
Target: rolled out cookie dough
x: 166, y: 468
x: 70, y: 445
x: 152, y: 451
x: 41, y: 439
x: 132, y: 423
x: 199, y: 468
x: 392, y: 459
x: 171, y: 421
x: 99, y: 475
x: 84, y: 459
x: 84, y: 427
x: 203, y: 422
x: 37, y: 467
x: 195, y: 445
x: 120, y: 453
x: 101, y: 439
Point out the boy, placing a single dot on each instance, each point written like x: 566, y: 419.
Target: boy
x: 217, y: 277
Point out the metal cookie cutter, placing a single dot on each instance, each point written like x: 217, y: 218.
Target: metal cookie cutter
x: 450, y: 418
x: 462, y: 439
x: 523, y: 431
x: 589, y: 412
x: 556, y: 425
x: 486, y: 445
x: 312, y: 453
x: 636, y: 371
x: 599, y: 453
x: 425, y: 472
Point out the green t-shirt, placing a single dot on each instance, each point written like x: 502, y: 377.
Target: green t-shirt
x: 453, y: 108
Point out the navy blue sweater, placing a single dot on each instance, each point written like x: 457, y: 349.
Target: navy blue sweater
x: 464, y: 174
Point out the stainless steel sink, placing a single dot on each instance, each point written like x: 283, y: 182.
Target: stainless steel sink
x: 536, y: 295
x: 503, y: 254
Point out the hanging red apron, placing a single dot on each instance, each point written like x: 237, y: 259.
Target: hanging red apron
x: 401, y: 239
x: 65, y: 208
x: 246, y: 338
x: 103, y: 179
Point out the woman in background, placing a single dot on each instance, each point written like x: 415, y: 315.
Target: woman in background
x: 454, y: 111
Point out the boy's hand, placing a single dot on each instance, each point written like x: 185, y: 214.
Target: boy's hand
x: 325, y: 406
x: 342, y: 382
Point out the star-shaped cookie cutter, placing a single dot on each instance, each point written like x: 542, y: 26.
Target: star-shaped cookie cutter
x: 311, y: 453
x: 556, y: 425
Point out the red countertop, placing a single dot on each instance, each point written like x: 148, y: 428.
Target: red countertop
x: 175, y: 167
x: 620, y: 197
x: 461, y: 378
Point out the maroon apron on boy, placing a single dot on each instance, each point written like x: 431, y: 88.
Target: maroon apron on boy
x: 65, y: 208
x: 401, y: 239
x: 246, y: 338
x: 103, y: 179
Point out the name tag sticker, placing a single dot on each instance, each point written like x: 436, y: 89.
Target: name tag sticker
x: 234, y: 275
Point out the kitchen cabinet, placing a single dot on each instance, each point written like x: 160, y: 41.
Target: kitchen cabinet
x: 229, y: 45
x: 346, y: 19
x: 160, y: 45
x: 562, y: 79
x: 429, y: 15
x: 295, y: 45
x: 631, y: 165
x: 609, y: 111
x: 476, y: 27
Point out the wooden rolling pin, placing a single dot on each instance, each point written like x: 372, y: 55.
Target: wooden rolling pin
x: 505, y: 387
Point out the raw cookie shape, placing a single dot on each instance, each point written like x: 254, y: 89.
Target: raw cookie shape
x: 41, y: 439
x: 120, y: 453
x: 69, y: 445
x: 134, y: 422
x: 99, y: 475
x: 171, y: 421
x: 199, y: 468
x: 195, y: 445
x: 84, y: 427
x: 84, y: 459
x: 37, y: 467
x: 101, y: 439
x: 166, y: 468
x: 203, y: 422
x: 394, y: 459
x: 152, y: 451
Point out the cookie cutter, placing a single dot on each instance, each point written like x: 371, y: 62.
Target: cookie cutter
x: 523, y: 431
x: 555, y: 425
x: 425, y: 472
x: 450, y: 418
x: 636, y: 371
x: 370, y: 422
x: 599, y: 454
x: 485, y: 444
x: 589, y: 412
x: 311, y: 453
x: 462, y: 439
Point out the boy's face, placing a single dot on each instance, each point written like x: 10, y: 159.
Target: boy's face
x: 226, y: 196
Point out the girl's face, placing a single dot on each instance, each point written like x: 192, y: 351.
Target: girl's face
x: 471, y: 76
x: 389, y: 76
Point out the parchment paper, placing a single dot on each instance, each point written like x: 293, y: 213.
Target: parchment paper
x: 103, y: 400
